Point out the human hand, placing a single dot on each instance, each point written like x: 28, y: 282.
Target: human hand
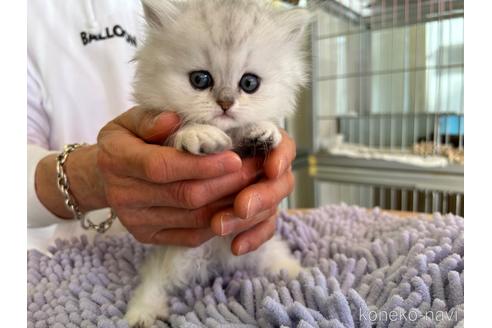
x: 254, y: 212
x: 162, y: 195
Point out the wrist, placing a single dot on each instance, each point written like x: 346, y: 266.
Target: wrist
x: 86, y: 184
x: 83, y: 176
x: 47, y: 190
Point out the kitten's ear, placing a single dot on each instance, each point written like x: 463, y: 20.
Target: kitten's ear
x: 294, y: 22
x: 159, y: 12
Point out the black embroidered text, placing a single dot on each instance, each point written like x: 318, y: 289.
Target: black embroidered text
x: 108, y: 33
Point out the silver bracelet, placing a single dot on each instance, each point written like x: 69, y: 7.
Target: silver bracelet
x: 70, y: 202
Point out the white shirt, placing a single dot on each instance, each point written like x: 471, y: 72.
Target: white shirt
x: 79, y: 77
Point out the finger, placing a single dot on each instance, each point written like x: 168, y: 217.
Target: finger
x: 225, y: 222
x: 253, y: 238
x: 263, y: 195
x: 150, y: 125
x: 192, y: 194
x: 149, y: 220
x: 280, y: 158
x: 123, y: 151
x: 182, y: 237
x: 125, y: 155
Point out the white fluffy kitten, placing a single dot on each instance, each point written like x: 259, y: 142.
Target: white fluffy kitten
x: 231, y: 69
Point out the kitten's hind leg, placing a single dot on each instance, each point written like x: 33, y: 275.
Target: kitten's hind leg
x: 276, y: 256
x: 146, y: 305
x: 149, y: 300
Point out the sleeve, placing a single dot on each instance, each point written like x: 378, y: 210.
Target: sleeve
x: 37, y: 214
x: 38, y: 125
x: 37, y: 149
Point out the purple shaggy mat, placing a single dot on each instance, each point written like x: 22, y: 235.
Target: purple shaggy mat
x: 368, y: 269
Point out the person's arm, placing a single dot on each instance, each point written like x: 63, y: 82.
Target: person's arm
x: 85, y: 183
x: 45, y: 202
x: 37, y: 214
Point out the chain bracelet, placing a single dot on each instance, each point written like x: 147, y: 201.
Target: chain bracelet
x: 70, y: 202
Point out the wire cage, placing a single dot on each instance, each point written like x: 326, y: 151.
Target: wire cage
x: 387, y: 98
x: 394, y: 198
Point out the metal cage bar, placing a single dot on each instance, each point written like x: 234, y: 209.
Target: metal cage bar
x: 391, y: 198
x: 390, y: 77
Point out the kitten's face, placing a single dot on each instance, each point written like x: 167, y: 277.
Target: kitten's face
x: 221, y: 62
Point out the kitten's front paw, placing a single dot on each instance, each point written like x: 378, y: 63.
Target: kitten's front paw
x: 265, y: 134
x: 202, y: 140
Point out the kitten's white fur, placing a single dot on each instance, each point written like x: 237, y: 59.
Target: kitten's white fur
x: 227, y: 38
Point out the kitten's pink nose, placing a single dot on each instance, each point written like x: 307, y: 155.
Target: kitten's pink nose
x: 225, y: 104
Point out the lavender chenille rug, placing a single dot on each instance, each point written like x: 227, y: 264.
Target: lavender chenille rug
x: 367, y: 269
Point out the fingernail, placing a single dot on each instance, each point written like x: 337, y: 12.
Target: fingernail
x: 164, y: 115
x: 167, y: 122
x: 262, y: 215
x: 227, y: 224
x: 254, y: 204
x: 280, y: 167
x: 156, y: 118
x: 231, y: 163
x: 243, y: 248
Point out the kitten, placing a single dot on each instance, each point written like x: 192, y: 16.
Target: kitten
x: 231, y: 69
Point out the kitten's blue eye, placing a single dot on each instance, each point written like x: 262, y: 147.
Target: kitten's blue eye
x: 249, y: 83
x: 201, y: 80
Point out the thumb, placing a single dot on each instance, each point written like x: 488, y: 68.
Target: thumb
x: 161, y: 127
x: 150, y: 125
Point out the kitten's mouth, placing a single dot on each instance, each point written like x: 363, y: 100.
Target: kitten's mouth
x: 225, y: 116
x: 224, y: 121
